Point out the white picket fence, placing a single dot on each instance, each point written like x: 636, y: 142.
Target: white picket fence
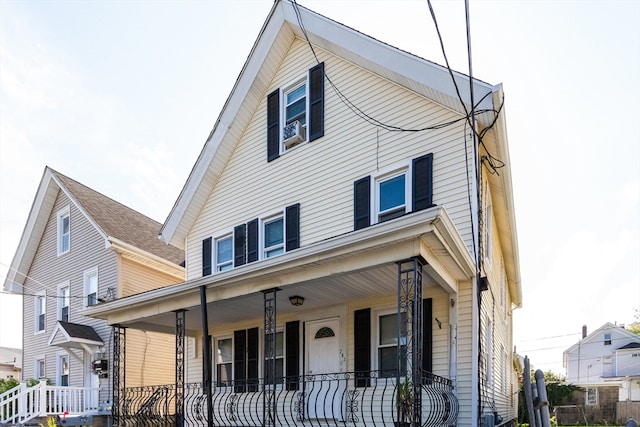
x: 22, y: 403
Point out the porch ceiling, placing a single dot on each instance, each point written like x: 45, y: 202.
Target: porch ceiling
x: 331, y: 272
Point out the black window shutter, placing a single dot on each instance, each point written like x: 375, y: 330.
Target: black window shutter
x: 292, y: 354
x: 316, y: 102
x: 252, y: 359
x: 362, y: 203
x: 239, y: 245
x: 427, y: 335
x: 239, y: 360
x: 206, y: 256
x: 423, y: 182
x: 362, y: 346
x: 252, y: 240
x: 292, y: 227
x: 273, y: 125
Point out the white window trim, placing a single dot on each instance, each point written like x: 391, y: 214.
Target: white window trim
x: 60, y: 215
x: 214, y: 254
x: 283, y: 107
x: 280, y: 213
x: 36, y: 367
x: 385, y: 174
x: 216, y: 339
x: 59, y: 358
x: 87, y: 274
x: 62, y: 286
x: 37, y: 313
x: 376, y: 336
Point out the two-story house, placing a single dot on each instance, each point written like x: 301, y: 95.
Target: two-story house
x: 351, y: 253
x: 606, y: 364
x: 79, y: 249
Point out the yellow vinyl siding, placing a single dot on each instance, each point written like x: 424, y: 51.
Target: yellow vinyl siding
x: 136, y: 278
x: 319, y: 175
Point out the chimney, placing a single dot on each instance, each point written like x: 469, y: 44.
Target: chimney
x: 584, y: 331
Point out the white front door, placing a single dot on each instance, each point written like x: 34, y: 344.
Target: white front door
x: 91, y: 378
x: 323, y: 356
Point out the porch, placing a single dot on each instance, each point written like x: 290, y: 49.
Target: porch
x: 345, y: 398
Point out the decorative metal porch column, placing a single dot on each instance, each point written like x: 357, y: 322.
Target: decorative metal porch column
x: 206, y: 355
x: 180, y: 319
x: 269, y: 384
x: 410, y: 335
x: 118, y: 374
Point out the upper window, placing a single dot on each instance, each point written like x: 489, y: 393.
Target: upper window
x: 224, y: 253
x: 91, y: 287
x: 273, y: 232
x: 41, y: 312
x: 64, y: 231
x: 607, y: 338
x: 392, y: 193
x: 63, y: 302
x: 295, y: 114
x: 388, y: 346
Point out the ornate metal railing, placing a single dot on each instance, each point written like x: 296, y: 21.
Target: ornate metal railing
x: 346, y: 399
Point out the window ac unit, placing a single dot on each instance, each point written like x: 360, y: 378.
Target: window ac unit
x: 293, y: 134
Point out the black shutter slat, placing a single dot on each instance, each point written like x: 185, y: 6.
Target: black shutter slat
x: 316, y: 102
x: 239, y: 360
x: 252, y: 240
x: 362, y: 203
x: 292, y: 227
x: 239, y: 245
x: 422, y: 182
x: 252, y: 359
x: 362, y: 346
x: 427, y: 335
x: 206, y: 256
x: 273, y: 125
x: 292, y: 354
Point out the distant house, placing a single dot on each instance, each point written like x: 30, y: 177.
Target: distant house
x: 606, y: 363
x: 80, y: 249
x: 10, y: 362
x: 336, y: 262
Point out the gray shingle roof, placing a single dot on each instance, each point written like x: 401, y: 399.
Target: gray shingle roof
x: 119, y: 221
x: 78, y: 331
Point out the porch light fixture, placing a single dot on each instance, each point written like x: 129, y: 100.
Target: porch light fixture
x: 296, y: 300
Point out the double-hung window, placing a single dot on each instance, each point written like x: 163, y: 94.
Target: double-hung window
x: 41, y: 311
x: 63, y: 370
x: 392, y: 193
x: 607, y: 338
x: 278, y: 357
x: 388, y: 346
x: 224, y: 361
x: 40, y: 368
x: 273, y: 236
x: 224, y: 253
x: 91, y: 287
x: 64, y: 230
x: 63, y: 302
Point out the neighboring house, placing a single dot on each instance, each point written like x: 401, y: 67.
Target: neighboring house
x: 606, y: 364
x: 79, y: 249
x: 10, y: 363
x: 333, y: 262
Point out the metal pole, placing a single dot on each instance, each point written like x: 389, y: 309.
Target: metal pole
x: 206, y: 355
x: 544, y: 403
x: 528, y: 395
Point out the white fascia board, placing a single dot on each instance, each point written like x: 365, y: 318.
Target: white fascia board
x: 174, y: 230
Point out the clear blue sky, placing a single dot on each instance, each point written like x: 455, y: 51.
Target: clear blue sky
x: 122, y: 95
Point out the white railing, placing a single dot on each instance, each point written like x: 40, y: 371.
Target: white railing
x: 22, y: 403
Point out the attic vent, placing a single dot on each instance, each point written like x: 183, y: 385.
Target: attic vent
x: 324, y: 333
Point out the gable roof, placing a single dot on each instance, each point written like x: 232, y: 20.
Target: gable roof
x: 120, y: 226
x: 281, y: 27
x: 593, y: 336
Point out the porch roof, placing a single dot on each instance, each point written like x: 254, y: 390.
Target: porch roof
x: 335, y: 270
x: 75, y: 335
